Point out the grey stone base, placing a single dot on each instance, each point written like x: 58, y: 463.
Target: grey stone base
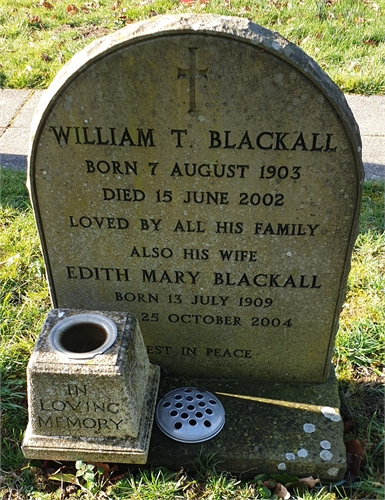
x: 270, y: 428
x: 130, y: 450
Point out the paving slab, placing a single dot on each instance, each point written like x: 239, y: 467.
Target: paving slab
x: 25, y: 114
x: 15, y: 141
x: 369, y: 112
x: 10, y: 103
x: 373, y: 150
x: 13, y: 161
x: 16, y: 111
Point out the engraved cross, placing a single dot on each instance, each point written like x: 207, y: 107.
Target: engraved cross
x: 193, y: 73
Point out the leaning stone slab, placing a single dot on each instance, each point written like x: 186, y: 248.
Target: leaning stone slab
x: 204, y: 174
x: 97, y: 408
x: 270, y: 428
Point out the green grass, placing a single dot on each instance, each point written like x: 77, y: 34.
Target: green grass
x: 24, y: 301
x: 361, y: 338
x: 346, y: 37
x: 359, y: 359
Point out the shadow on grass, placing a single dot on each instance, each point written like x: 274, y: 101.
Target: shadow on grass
x: 14, y: 162
x: 372, y: 216
x: 13, y: 189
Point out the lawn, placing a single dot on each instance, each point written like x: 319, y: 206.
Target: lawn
x: 359, y: 360
x: 346, y: 37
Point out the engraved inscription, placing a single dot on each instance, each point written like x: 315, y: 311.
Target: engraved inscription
x: 192, y: 73
x: 75, y: 408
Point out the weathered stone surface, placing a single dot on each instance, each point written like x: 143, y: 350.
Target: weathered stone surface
x: 270, y: 428
x: 205, y: 174
x: 89, y: 408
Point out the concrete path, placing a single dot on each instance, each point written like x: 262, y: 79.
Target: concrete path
x: 17, y: 107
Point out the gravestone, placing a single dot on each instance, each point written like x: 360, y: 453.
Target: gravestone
x: 204, y: 174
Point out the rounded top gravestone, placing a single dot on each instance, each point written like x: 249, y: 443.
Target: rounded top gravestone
x: 204, y: 174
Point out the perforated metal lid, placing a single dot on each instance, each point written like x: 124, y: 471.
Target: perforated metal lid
x: 190, y: 415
